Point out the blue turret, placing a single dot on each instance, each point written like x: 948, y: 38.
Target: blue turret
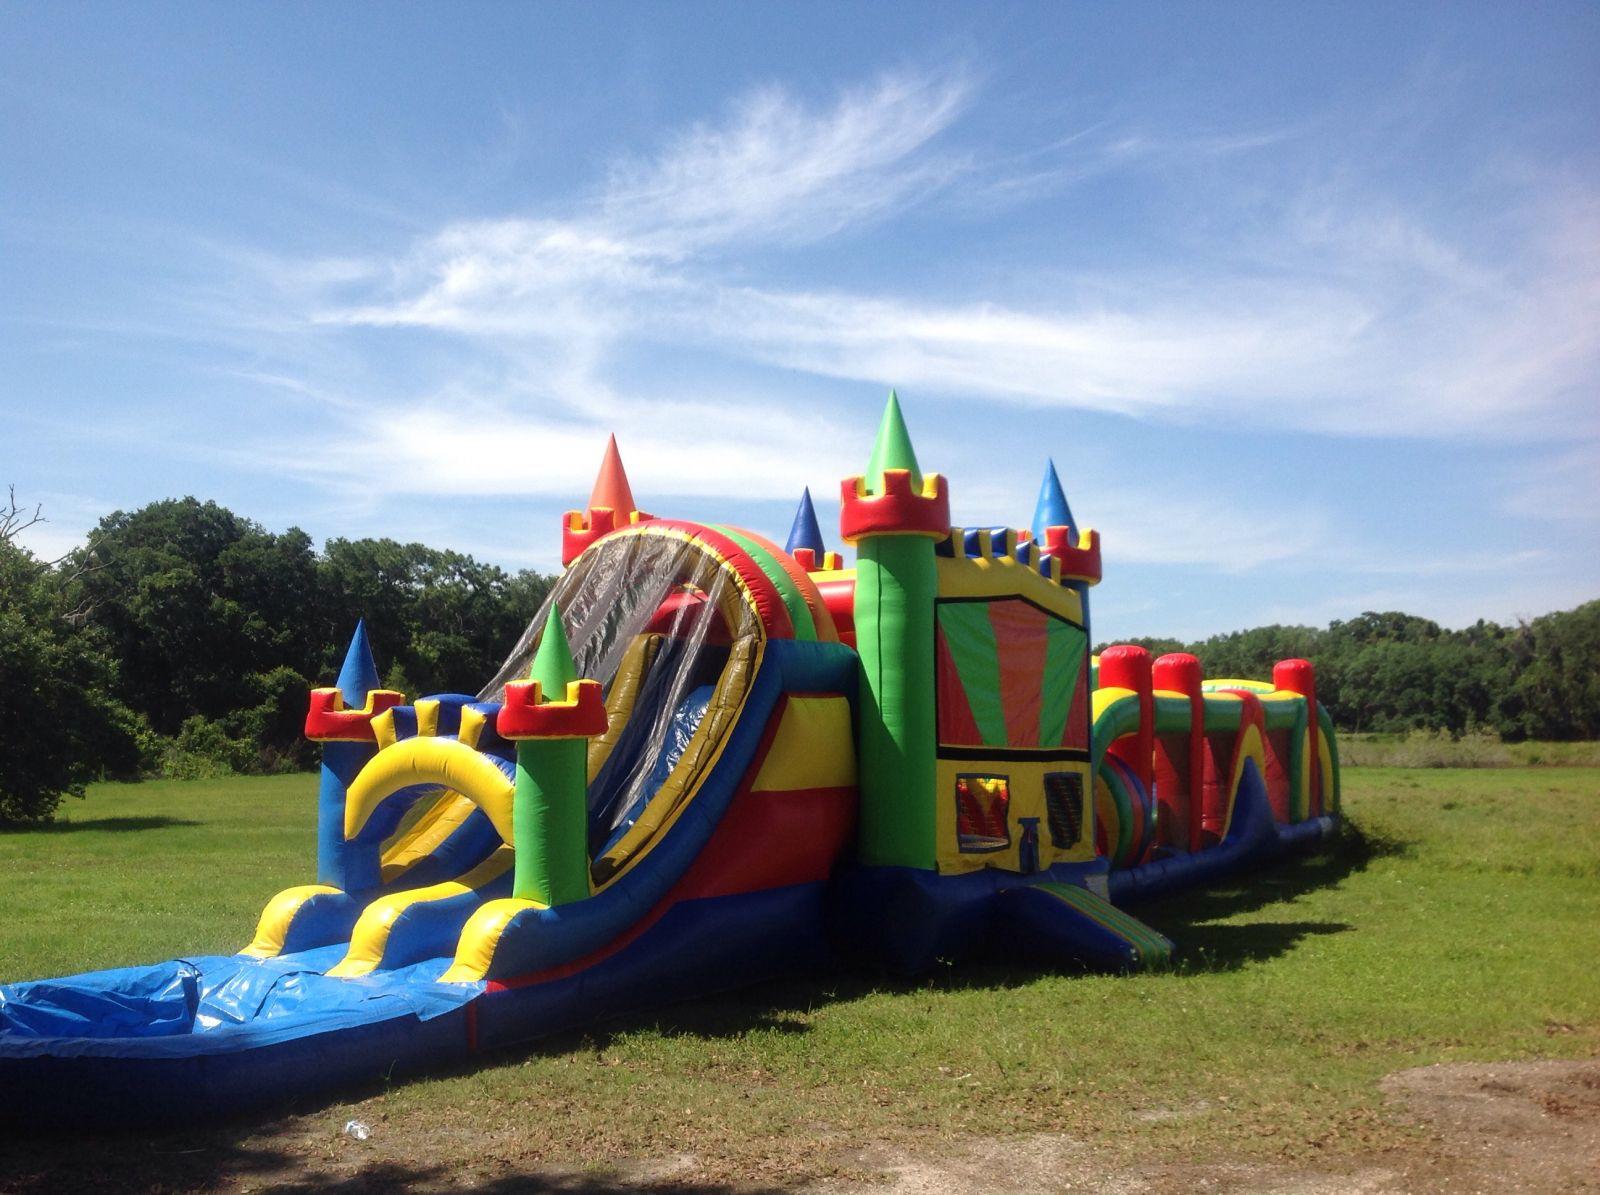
x: 805, y: 532
x: 359, y: 676
x: 339, y: 863
x: 805, y: 539
x: 1052, y: 509
x: 1080, y: 559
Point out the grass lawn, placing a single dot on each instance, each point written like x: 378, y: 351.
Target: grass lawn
x: 136, y: 873
x: 1459, y: 921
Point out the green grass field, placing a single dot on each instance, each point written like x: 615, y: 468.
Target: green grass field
x: 1460, y: 920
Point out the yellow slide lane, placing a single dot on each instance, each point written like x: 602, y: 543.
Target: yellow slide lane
x: 475, y: 950
x: 443, y: 817
x: 442, y: 762
x: 414, y: 843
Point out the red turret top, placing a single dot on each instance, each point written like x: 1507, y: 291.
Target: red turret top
x: 894, y: 497
x: 329, y: 720
x: 1079, y: 553
x: 611, y: 506
x: 611, y: 490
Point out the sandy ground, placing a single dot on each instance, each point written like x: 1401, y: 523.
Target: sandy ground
x: 1493, y: 1127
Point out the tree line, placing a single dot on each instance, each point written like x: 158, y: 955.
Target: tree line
x: 1395, y: 672
x: 181, y: 640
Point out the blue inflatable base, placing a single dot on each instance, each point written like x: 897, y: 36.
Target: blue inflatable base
x: 210, y: 1037
x: 206, y: 1038
x: 907, y: 919
x: 1254, y: 838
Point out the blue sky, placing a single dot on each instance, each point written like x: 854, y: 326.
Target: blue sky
x: 1304, y: 300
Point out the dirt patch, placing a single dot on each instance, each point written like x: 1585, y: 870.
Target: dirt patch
x: 1491, y: 1127
x: 1505, y: 1126
x: 1032, y: 1165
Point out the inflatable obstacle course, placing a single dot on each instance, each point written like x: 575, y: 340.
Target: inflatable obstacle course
x: 710, y: 759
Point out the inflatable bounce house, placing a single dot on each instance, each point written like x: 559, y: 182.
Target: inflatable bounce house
x: 710, y: 760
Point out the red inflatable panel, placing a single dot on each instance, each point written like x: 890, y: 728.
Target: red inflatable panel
x: 769, y: 605
x: 764, y: 840
x: 328, y: 721
x: 525, y: 715
x: 899, y: 510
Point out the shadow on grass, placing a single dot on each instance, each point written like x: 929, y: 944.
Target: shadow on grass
x: 1190, y: 919
x: 266, y: 1157
x: 107, y: 825
x: 1228, y: 947
x: 295, y: 1147
x: 1353, y: 851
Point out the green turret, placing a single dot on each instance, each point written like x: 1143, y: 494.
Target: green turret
x: 894, y: 515
x: 549, y: 717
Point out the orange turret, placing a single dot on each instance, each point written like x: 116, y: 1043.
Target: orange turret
x: 611, y: 506
x: 611, y: 489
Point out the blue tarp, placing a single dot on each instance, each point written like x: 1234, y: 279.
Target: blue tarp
x: 211, y: 1004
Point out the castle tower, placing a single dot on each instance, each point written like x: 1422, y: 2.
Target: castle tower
x: 611, y: 505
x: 894, y: 516
x: 1076, y: 552
x: 805, y: 539
x: 550, y: 716
x: 340, y: 718
x: 1051, y: 510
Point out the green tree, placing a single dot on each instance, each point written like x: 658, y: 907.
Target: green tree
x: 62, y: 725
x: 1391, y: 671
x: 195, y: 602
x: 442, y: 619
x: 1558, y: 692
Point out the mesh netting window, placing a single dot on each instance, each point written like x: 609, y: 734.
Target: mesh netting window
x: 1063, y: 803
x: 983, y: 806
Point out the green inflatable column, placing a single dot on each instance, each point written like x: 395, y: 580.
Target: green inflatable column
x: 550, y: 716
x: 894, y: 515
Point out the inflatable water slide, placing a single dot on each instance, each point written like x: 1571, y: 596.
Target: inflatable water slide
x: 707, y: 761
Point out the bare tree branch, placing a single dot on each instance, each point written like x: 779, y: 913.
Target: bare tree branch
x: 14, y: 519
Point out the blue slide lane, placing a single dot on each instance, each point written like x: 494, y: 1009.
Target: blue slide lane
x: 431, y: 928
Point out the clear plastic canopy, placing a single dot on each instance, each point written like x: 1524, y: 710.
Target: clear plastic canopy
x: 653, y: 616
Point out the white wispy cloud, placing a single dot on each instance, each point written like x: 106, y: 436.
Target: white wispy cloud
x: 779, y: 171
x: 1564, y: 486
x: 1349, y: 314
x: 1332, y: 307
x: 524, y: 440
